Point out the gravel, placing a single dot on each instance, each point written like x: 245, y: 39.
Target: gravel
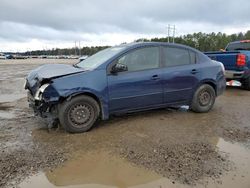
x: 176, y: 144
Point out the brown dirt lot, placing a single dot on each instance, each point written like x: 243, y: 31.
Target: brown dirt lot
x: 179, y: 146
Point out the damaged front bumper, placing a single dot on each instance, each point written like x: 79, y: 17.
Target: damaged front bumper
x: 40, y: 108
x: 46, y: 110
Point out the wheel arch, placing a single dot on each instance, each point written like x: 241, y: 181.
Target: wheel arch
x: 207, y: 81
x: 212, y: 83
x: 194, y: 105
x: 89, y: 94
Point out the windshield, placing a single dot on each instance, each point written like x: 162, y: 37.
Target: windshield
x: 238, y: 46
x: 99, y: 58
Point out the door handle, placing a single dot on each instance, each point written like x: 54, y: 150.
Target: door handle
x: 155, y: 77
x: 194, y: 71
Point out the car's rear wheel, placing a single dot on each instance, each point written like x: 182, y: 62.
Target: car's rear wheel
x: 203, y: 99
x: 246, y: 83
x: 79, y: 114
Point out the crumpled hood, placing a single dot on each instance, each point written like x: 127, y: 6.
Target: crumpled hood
x: 50, y: 71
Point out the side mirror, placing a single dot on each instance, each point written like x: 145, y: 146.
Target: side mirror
x: 119, y: 68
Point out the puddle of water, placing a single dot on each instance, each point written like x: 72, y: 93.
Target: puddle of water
x: 6, y: 115
x: 101, y: 170
x: 42, y: 182
x: 95, y: 169
x: 240, y: 156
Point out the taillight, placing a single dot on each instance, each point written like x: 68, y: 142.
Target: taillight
x: 241, y: 60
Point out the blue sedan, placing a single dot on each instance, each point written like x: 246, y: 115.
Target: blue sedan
x: 124, y: 79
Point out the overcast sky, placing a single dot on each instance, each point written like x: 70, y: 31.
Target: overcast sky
x: 45, y: 24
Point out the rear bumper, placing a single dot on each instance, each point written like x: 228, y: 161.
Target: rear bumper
x: 221, y: 86
x: 234, y: 75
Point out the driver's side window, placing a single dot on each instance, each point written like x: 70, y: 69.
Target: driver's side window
x: 141, y: 59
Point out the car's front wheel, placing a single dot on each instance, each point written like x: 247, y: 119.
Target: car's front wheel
x: 78, y: 114
x: 203, y: 99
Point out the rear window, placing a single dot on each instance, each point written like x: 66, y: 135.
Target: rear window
x: 238, y: 46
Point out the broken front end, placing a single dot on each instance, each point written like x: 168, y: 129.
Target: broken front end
x: 43, y: 101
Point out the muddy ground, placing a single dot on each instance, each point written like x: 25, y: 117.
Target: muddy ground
x: 176, y: 147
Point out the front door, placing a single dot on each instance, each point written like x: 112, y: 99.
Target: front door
x: 141, y: 85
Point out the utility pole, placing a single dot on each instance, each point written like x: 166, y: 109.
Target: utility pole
x: 173, y: 33
x: 47, y: 51
x: 168, y: 32
x: 171, y: 28
x: 80, y: 48
x: 75, y: 49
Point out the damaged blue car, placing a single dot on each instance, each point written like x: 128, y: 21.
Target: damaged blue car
x: 124, y: 79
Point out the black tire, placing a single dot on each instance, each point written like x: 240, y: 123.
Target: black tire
x: 203, y: 99
x: 246, y: 83
x: 78, y: 114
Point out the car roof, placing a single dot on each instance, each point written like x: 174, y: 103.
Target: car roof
x: 142, y: 44
x: 133, y: 46
x: 149, y: 44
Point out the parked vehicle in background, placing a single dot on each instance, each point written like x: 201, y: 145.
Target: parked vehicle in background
x: 123, y: 79
x: 9, y: 56
x: 17, y: 56
x: 236, y: 59
x: 2, y: 56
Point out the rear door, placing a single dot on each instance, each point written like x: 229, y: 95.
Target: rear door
x: 140, y: 86
x: 180, y: 74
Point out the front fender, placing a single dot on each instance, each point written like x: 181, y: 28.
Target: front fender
x: 93, y: 83
x: 101, y: 101
x: 51, y: 96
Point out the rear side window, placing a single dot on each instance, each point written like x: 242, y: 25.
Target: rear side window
x: 177, y: 57
x: 141, y: 59
x: 238, y: 46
